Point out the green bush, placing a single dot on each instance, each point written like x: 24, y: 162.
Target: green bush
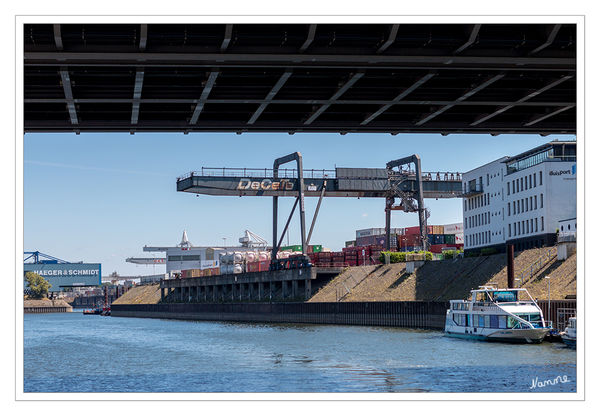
x: 449, y: 254
x: 400, y: 256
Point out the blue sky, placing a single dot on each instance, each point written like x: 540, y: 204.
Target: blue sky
x: 100, y: 197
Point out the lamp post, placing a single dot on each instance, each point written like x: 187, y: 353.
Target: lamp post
x: 548, y: 279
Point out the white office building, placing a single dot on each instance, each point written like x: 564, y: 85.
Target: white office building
x: 520, y: 200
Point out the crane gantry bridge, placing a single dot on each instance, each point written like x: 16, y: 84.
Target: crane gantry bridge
x: 401, y: 179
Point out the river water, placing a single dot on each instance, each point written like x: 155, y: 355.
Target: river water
x: 72, y: 352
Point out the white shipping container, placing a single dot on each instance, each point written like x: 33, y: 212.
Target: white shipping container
x: 453, y: 228
x: 369, y: 232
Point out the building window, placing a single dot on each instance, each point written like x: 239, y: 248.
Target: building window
x: 527, y: 226
x: 525, y: 183
x: 541, y: 200
x: 531, y: 203
x: 507, y: 188
x: 540, y: 178
x: 518, y: 228
x: 536, y: 222
x: 542, y: 221
x: 535, y: 200
x: 488, y: 179
x: 534, y: 185
x: 526, y: 205
x: 514, y: 208
x: 530, y: 181
x: 514, y: 228
x: 521, y: 180
x: 513, y: 186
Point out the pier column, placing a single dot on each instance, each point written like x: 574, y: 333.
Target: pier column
x: 284, y: 289
x: 270, y: 290
x: 261, y: 289
x: 294, y: 289
x: 240, y: 292
x: 307, y: 289
x: 251, y: 291
x: 214, y: 292
x: 162, y: 294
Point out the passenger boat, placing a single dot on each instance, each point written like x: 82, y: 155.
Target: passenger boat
x: 569, y: 337
x: 492, y: 314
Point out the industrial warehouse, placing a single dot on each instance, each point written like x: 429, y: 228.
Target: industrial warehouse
x: 521, y: 200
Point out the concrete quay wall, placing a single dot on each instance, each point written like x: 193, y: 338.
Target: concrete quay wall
x: 415, y: 314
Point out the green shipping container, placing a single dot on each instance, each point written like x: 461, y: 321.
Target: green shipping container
x: 449, y: 239
x: 297, y: 247
x: 315, y: 248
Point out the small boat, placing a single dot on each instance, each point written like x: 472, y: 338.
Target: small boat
x: 104, y: 311
x: 492, y: 314
x: 93, y: 311
x: 569, y: 336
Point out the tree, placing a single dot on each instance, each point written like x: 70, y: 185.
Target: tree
x: 38, y: 286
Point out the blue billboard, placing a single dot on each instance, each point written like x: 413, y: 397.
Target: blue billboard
x: 65, y: 275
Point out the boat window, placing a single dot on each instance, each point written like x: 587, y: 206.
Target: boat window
x: 502, y: 322
x: 513, y: 323
x: 469, y: 320
x: 487, y: 321
x: 462, y: 319
x: 505, y: 296
x: 481, y: 321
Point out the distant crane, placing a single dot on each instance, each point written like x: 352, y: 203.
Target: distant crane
x: 253, y: 240
x: 34, y: 257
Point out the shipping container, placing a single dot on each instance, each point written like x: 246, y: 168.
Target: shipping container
x: 350, y: 243
x: 456, y: 228
x: 296, y: 247
x: 416, y: 230
x: 449, y: 238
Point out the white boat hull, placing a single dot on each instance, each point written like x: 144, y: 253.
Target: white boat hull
x: 528, y: 336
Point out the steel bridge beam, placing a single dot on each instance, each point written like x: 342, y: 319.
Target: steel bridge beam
x: 461, y: 98
x: 312, y: 29
x: 398, y: 98
x: 203, y: 97
x: 544, y: 117
x: 527, y: 97
x: 386, y: 103
x: 549, y: 41
x: 472, y: 38
x: 335, y: 96
x: 137, y: 95
x: 66, y: 83
x: 270, y: 96
x: 390, y: 40
x: 292, y: 60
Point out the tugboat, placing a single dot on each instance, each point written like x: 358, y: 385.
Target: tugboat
x: 491, y: 314
x: 569, y: 337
